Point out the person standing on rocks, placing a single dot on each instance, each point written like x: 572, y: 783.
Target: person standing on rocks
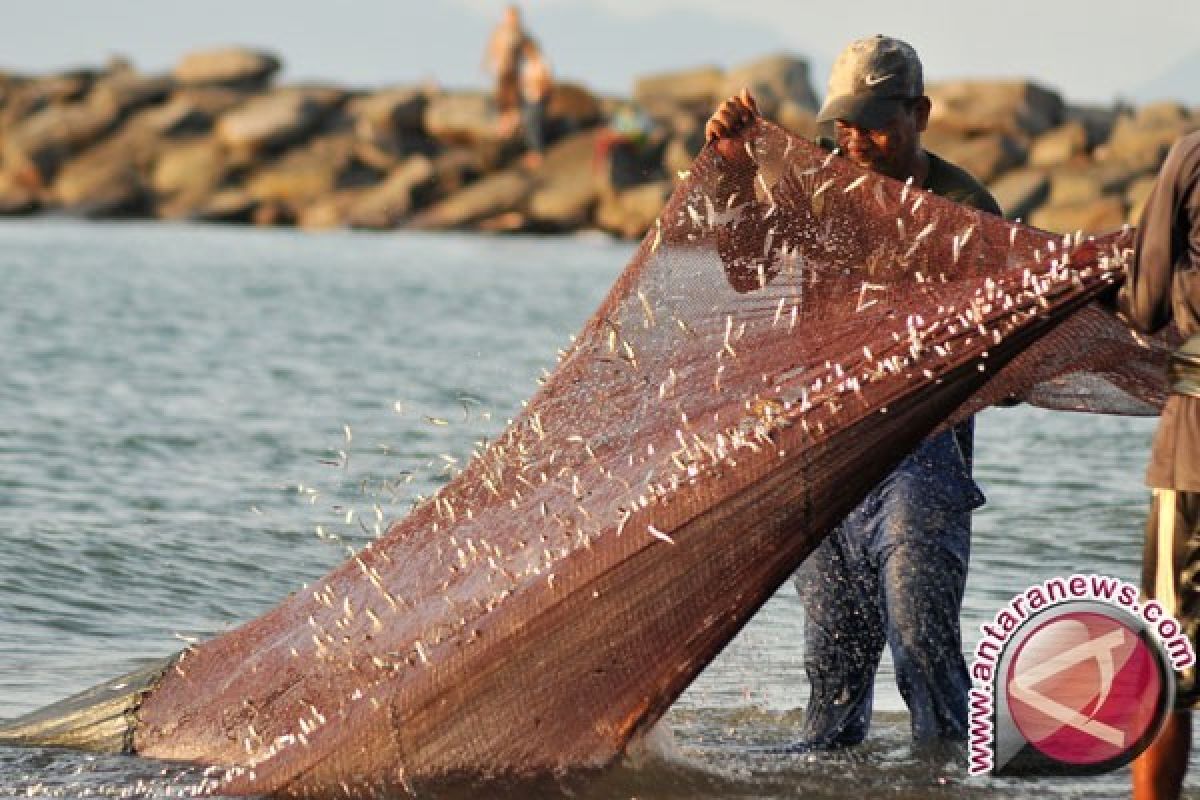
x: 503, y: 60
x: 536, y: 85
x: 894, y: 570
x: 1163, y: 286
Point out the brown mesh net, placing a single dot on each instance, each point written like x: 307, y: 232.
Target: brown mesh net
x: 784, y: 335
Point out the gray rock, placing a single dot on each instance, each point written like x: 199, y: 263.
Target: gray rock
x: 1020, y: 191
x: 235, y: 67
x: 1096, y: 216
x: 453, y: 169
x: 1060, y: 145
x: 388, y: 113
x: 277, y: 119
x: 495, y: 194
x: 330, y: 211
x: 194, y: 168
x: 567, y: 186
x: 101, y: 187
x: 126, y: 91
x: 1016, y: 108
x: 1166, y: 112
x: 15, y: 198
x: 37, y: 145
x: 389, y: 203
x: 1144, y: 141
x: 697, y: 89
x: 305, y: 173
x: 461, y: 118
x: 228, y: 205
x: 774, y: 80
x: 631, y: 212
x: 984, y: 156
x: 798, y: 120
x: 1085, y: 183
x: 571, y: 107
x: 1096, y: 120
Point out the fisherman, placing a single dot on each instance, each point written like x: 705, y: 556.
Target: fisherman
x: 1163, y: 286
x: 894, y: 570
x: 503, y: 59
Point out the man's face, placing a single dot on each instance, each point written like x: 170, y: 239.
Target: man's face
x: 891, y: 149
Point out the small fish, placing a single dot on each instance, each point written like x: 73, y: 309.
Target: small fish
x: 657, y: 534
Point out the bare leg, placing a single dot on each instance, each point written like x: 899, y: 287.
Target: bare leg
x: 1158, y: 772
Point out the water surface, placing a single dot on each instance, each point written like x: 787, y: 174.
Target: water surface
x: 173, y: 397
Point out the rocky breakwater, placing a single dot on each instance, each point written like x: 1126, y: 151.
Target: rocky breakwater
x: 218, y: 140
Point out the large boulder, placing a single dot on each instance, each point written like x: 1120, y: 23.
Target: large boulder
x: 315, y: 169
x: 1098, y: 121
x: 275, y: 120
x: 797, y: 119
x: 631, y: 212
x: 16, y: 198
x: 694, y: 89
x: 571, y: 107
x: 24, y: 96
x: 100, y: 186
x: 188, y: 111
x: 176, y: 117
x: 1016, y: 108
x: 984, y: 156
x: 194, y: 167
x: 236, y: 67
x: 125, y: 90
x: 774, y: 80
x: 211, y: 100
x: 1144, y: 141
x: 37, y: 145
x: 1085, y: 183
x: 454, y: 168
x: 1067, y: 142
x: 387, y: 114
x: 567, y: 188
x: 1165, y: 112
x: 462, y: 118
x: 228, y: 205
x: 110, y: 177
x: 1096, y: 216
x: 391, y: 201
x: 1020, y: 191
x: 488, y: 197
x: 468, y: 120
x: 329, y: 211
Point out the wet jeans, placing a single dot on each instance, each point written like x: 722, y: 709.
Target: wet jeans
x: 893, y: 572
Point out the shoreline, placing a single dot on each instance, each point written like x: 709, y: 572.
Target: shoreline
x: 216, y: 140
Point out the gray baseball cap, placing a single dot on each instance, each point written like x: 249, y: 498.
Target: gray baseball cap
x: 870, y: 80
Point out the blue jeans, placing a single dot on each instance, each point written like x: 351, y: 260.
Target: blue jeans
x: 893, y: 571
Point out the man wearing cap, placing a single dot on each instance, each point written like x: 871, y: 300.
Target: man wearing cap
x: 895, y: 569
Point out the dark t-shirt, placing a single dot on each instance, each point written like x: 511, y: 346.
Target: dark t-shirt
x: 941, y: 466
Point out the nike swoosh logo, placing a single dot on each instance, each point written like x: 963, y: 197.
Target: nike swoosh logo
x: 872, y: 80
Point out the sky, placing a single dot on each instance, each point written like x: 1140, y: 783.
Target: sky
x: 1093, y: 51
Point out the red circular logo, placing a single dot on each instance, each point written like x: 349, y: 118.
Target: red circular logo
x: 1084, y: 688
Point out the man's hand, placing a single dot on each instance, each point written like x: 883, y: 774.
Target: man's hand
x: 730, y: 120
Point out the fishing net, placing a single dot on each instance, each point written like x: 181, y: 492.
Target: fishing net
x: 788, y: 331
